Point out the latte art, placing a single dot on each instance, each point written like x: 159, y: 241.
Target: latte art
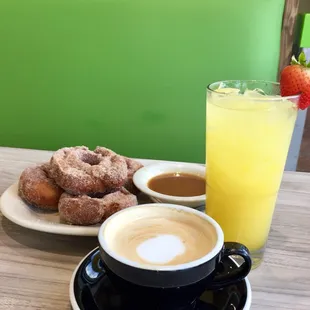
x: 161, y: 249
x: 160, y: 236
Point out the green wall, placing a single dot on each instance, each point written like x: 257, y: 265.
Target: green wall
x: 130, y: 75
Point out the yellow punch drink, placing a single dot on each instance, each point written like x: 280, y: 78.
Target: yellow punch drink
x: 249, y: 129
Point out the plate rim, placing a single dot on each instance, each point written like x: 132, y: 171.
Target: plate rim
x: 75, y: 305
x: 61, y: 229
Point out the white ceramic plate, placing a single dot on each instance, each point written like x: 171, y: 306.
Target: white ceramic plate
x: 17, y: 211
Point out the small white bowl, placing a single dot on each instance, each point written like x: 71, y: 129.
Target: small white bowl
x: 145, y: 174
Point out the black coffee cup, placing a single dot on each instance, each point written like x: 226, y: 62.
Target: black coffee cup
x: 169, y: 286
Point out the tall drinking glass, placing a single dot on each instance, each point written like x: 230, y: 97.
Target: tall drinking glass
x: 249, y: 129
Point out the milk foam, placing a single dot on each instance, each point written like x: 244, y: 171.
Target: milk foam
x: 161, y: 249
x: 159, y: 236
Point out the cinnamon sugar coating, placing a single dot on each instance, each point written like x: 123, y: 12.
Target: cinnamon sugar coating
x: 85, y: 210
x: 132, y: 167
x: 80, y: 171
x: 36, y: 188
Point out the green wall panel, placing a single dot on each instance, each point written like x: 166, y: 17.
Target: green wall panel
x: 130, y: 75
x: 305, y: 35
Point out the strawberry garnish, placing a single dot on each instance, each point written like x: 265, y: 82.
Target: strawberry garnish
x: 304, y: 100
x: 295, y: 80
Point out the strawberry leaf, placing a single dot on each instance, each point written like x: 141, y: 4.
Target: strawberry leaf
x: 308, y: 65
x: 302, y: 59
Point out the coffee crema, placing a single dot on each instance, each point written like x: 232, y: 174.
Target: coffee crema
x: 158, y: 236
x: 178, y: 184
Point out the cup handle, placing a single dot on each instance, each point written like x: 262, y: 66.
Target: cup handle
x: 227, y: 278
x: 94, y: 270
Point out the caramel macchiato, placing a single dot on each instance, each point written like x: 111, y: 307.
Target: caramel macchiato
x: 160, y: 236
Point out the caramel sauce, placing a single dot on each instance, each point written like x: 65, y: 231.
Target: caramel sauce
x: 178, y: 184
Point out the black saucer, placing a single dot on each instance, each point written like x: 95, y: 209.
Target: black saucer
x: 91, y: 289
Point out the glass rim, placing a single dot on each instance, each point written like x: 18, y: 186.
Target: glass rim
x: 270, y: 97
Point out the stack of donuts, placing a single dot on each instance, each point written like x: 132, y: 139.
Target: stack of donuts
x: 85, y: 186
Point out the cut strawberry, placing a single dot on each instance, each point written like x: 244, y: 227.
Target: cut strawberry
x: 304, y: 100
x: 295, y: 80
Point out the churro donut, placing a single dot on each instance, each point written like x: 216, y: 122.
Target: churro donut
x: 117, y: 201
x: 116, y: 167
x: 85, y: 210
x: 80, y: 171
x: 36, y: 188
x: 80, y: 210
x: 104, y: 151
x: 132, y: 167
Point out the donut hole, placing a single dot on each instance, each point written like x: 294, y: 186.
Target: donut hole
x: 89, y: 158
